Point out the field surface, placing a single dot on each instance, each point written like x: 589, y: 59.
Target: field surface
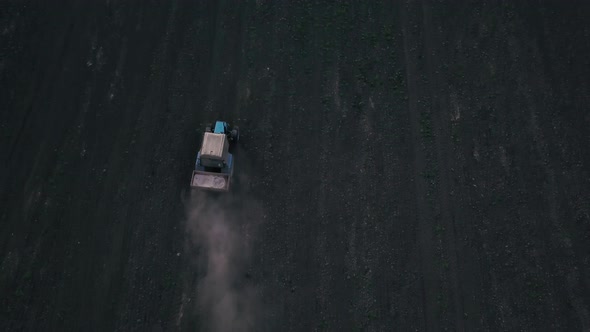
x: 402, y: 166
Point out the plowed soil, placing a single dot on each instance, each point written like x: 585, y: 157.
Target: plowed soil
x: 401, y: 166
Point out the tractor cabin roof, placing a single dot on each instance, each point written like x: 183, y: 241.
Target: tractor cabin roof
x: 215, y: 146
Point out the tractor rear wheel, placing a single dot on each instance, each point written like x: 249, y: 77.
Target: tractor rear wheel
x: 235, y: 134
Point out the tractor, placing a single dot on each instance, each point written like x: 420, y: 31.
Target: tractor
x: 215, y: 165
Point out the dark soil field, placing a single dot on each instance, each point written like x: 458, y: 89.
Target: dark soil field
x: 405, y: 166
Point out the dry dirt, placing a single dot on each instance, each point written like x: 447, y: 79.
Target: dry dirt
x: 402, y: 166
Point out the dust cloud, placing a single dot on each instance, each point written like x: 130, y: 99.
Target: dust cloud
x: 221, y: 228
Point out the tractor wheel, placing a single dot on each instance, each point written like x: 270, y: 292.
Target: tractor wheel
x: 235, y: 134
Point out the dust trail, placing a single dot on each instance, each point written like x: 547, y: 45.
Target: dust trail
x: 221, y: 228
